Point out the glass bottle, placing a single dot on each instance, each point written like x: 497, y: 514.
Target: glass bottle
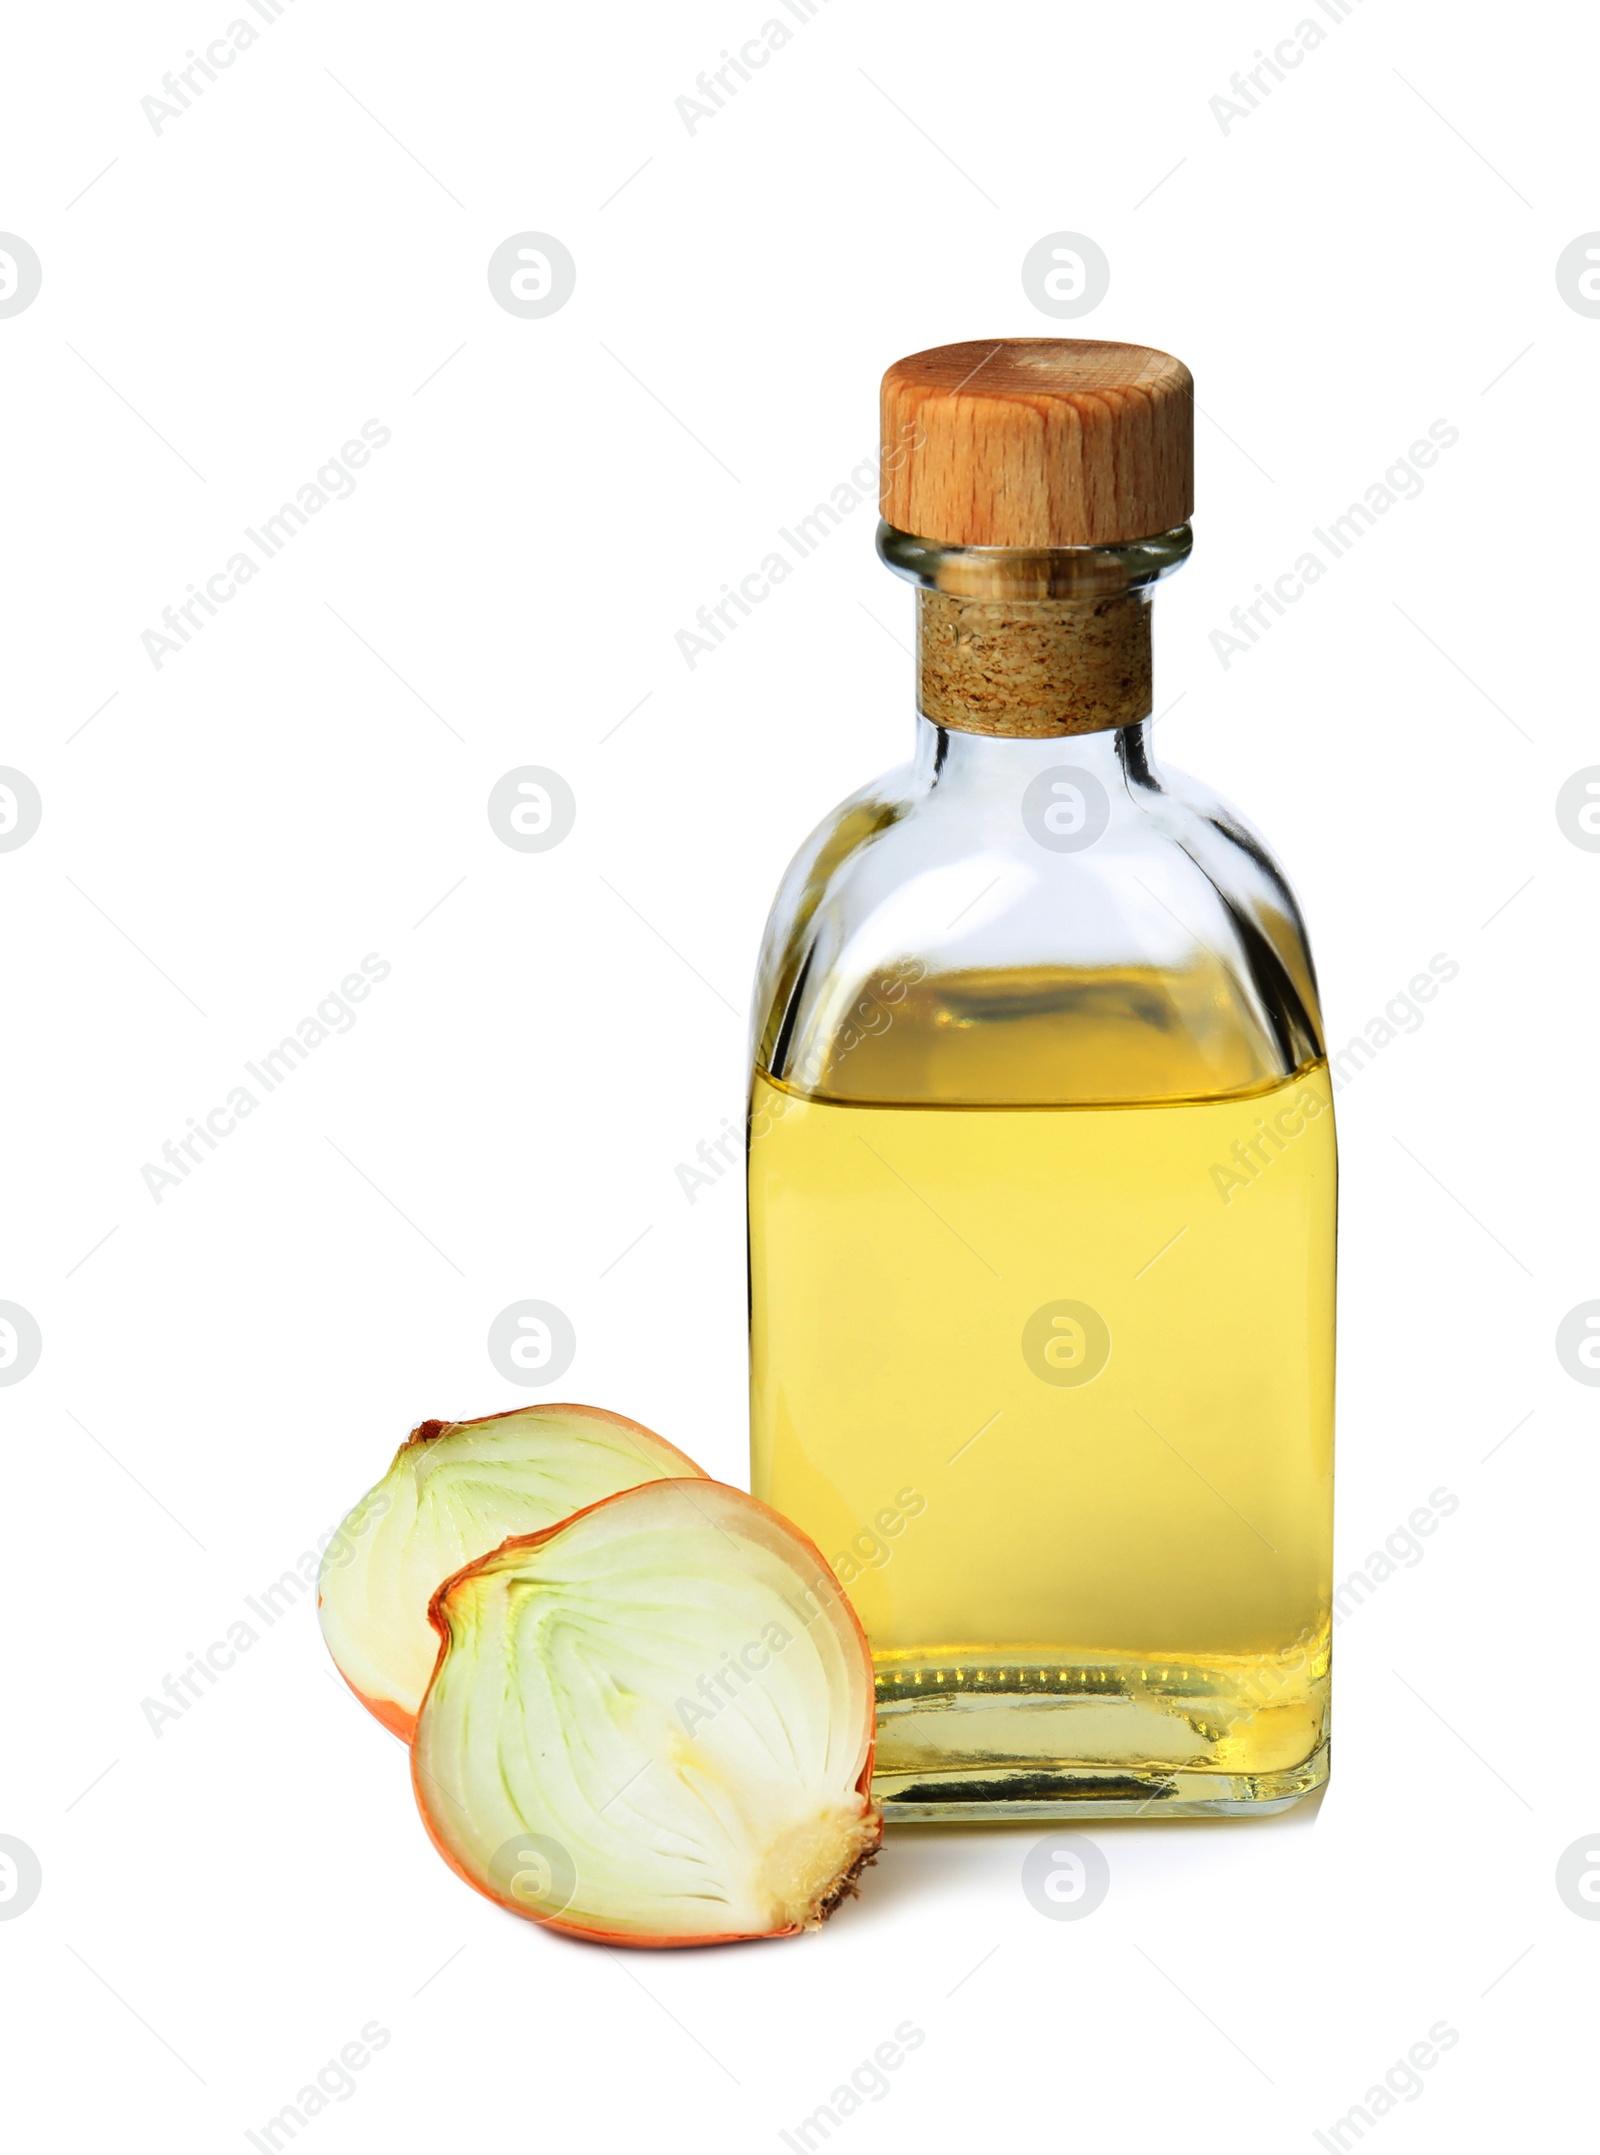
x: 1041, y: 1158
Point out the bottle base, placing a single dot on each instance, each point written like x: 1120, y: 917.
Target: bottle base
x: 1107, y: 1737
x: 1089, y: 1792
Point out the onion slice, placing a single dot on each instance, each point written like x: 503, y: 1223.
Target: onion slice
x: 454, y: 1491
x: 653, y: 1724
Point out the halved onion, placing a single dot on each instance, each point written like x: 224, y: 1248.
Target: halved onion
x: 653, y: 1724
x: 454, y: 1491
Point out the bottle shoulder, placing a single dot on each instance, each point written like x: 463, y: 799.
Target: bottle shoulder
x: 1058, y: 927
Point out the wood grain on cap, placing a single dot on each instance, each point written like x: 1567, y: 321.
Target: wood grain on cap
x: 1037, y: 441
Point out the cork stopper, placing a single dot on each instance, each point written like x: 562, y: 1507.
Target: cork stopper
x: 1034, y: 671
x: 1039, y: 442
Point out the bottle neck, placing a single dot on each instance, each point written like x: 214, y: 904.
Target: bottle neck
x: 955, y: 758
x: 1034, y: 643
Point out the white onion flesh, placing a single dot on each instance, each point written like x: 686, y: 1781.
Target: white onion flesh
x: 454, y: 1491
x: 653, y: 1724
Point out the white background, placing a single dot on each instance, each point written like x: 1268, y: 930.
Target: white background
x: 225, y: 1904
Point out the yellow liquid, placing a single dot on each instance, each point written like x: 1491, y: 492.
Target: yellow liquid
x: 1091, y: 1546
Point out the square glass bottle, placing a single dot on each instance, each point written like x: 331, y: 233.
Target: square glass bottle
x: 1041, y: 1159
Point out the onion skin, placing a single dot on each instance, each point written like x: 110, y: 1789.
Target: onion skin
x: 844, y: 1888
x: 425, y: 1432
x: 394, y: 1718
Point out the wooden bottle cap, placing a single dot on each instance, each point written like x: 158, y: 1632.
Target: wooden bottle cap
x: 1038, y: 441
